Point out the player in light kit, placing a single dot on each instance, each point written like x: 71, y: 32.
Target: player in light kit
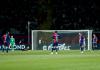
x: 81, y: 42
x: 55, y: 42
x: 12, y: 42
x: 94, y: 41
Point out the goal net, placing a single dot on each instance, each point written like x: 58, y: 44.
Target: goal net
x: 68, y: 39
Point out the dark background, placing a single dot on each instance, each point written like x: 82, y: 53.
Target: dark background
x: 49, y: 14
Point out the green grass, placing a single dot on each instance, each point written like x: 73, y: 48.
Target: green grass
x: 43, y: 60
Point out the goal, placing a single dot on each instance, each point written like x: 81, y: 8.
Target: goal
x: 67, y: 38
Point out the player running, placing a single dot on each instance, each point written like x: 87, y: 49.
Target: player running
x: 55, y: 42
x: 81, y: 42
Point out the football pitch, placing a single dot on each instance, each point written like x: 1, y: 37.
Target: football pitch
x: 43, y: 60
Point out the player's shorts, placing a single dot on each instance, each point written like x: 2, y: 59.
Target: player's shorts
x: 12, y: 45
x: 81, y: 43
x: 94, y: 44
x: 54, y: 48
x: 55, y: 44
x: 5, y: 43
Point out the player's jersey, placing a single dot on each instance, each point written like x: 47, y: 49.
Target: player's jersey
x: 4, y: 38
x: 7, y: 38
x: 54, y: 41
x: 12, y: 40
x: 81, y: 39
x: 55, y: 37
x: 94, y: 39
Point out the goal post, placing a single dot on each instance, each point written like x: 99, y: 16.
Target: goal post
x: 69, y: 37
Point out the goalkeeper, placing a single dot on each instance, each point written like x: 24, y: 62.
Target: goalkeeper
x: 12, y: 42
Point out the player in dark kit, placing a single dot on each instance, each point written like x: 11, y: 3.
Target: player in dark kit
x: 81, y: 42
x: 6, y: 40
x: 55, y: 42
